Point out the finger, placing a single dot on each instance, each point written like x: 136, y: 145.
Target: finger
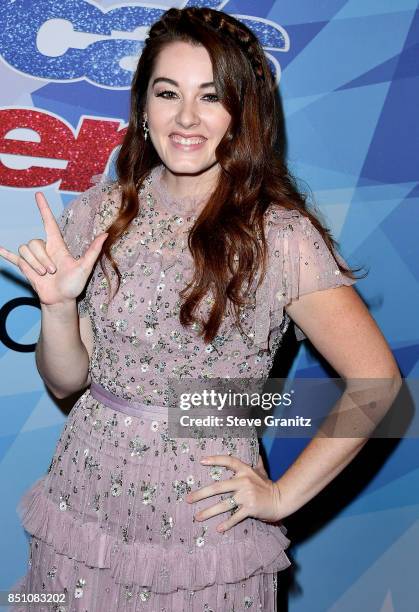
x: 233, y: 520
x: 233, y: 463
x: 37, y: 247
x: 14, y: 259
x: 223, y: 486
x: 30, y: 258
x: 28, y: 271
x: 222, y: 506
x: 52, y: 229
x: 88, y: 260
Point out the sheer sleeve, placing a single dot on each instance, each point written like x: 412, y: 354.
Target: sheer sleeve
x: 307, y: 263
x: 78, y: 228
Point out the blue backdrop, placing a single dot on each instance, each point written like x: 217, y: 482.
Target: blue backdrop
x: 349, y: 79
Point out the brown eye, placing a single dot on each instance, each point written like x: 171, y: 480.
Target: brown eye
x: 213, y: 96
x: 161, y: 94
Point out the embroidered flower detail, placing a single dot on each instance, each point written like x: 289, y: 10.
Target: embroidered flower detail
x: 248, y: 602
x: 144, y: 367
x: 116, y: 483
x: 128, y: 421
x: 52, y: 572
x: 86, y: 452
x: 181, y: 487
x: 216, y: 472
x: 161, y: 286
x: 166, y: 526
x: 64, y: 503
x: 128, y: 592
x: 121, y: 324
x: 145, y: 595
x: 149, y: 331
x: 184, y: 448
x: 200, y: 540
x: 78, y: 591
x: 138, y: 446
x: 154, y: 425
x: 116, y: 490
x: 129, y: 301
x: 149, y: 491
x: 190, y: 480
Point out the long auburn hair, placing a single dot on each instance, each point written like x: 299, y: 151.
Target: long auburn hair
x: 227, y: 241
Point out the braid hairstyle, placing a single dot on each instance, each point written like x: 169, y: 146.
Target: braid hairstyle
x: 225, y: 25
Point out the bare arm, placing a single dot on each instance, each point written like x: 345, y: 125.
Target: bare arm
x: 58, y: 269
x: 64, y: 348
x: 339, y: 325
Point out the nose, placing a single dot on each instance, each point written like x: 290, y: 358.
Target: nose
x: 187, y: 115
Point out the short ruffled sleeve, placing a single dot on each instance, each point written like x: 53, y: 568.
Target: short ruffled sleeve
x: 305, y: 262
x: 77, y: 226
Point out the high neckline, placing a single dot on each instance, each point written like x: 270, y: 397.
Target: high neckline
x: 179, y: 205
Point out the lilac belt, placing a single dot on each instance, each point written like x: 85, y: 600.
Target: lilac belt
x: 130, y: 407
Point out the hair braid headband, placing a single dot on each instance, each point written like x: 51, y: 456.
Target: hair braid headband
x: 220, y: 23
x: 245, y: 39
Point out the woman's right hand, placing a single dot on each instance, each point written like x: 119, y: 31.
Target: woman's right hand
x: 68, y: 276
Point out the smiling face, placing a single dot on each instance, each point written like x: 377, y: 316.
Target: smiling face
x: 185, y: 118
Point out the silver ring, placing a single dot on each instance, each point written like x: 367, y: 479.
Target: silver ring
x: 232, y: 501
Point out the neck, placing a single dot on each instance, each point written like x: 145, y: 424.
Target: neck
x: 190, y: 185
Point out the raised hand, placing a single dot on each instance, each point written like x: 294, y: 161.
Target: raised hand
x: 49, y: 266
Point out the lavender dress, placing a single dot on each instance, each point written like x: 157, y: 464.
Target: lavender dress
x: 108, y: 522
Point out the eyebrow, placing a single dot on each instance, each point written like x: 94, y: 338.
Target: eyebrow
x: 176, y: 84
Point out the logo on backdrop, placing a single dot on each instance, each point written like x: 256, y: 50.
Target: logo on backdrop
x: 67, y: 40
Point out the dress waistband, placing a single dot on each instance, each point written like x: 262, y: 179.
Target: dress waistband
x: 130, y: 407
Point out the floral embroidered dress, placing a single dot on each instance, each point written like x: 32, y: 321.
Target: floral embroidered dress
x: 109, y: 524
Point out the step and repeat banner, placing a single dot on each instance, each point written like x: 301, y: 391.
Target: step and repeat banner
x: 349, y: 81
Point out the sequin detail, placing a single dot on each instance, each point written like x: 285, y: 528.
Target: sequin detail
x: 112, y: 506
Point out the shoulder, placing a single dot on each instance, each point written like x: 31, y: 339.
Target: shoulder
x: 279, y: 216
x: 91, y: 210
x: 103, y: 199
x: 283, y: 223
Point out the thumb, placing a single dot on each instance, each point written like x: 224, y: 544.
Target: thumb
x: 89, y: 258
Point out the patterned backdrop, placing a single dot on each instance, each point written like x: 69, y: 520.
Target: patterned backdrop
x: 349, y: 79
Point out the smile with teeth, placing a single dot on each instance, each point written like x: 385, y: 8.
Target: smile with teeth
x: 187, y: 141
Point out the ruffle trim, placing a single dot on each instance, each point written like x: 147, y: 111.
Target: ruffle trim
x: 159, y: 568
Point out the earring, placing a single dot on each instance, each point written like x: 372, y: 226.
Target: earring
x: 145, y: 128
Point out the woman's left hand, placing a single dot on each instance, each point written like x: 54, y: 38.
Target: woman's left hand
x: 256, y: 495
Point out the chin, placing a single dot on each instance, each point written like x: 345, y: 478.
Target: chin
x: 187, y: 166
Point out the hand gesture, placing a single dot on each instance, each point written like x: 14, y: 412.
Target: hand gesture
x: 256, y: 495
x: 49, y: 266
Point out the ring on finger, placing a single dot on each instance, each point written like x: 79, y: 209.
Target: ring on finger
x: 231, y: 500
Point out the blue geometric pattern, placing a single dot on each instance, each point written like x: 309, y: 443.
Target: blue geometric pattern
x: 349, y: 80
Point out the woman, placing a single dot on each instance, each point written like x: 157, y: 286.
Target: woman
x: 207, y: 250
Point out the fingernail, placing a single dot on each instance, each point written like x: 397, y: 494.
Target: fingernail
x: 220, y: 528
x: 203, y: 461
x: 51, y: 269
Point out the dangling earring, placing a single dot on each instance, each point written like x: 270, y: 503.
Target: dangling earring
x: 145, y: 128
